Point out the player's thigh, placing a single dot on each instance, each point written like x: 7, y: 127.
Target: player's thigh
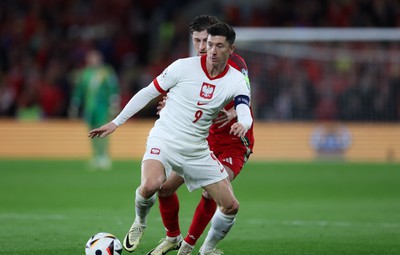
x: 223, y: 195
x: 153, y: 176
x: 156, y: 162
x: 231, y: 173
x: 173, y: 182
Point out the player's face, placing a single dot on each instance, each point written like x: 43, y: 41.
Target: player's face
x: 93, y: 58
x: 218, y: 50
x: 199, y: 40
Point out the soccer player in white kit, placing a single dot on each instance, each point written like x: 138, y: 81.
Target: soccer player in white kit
x: 198, y: 88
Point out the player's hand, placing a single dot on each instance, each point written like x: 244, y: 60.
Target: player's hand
x: 161, y: 104
x: 225, y: 117
x: 103, y: 131
x: 238, y: 130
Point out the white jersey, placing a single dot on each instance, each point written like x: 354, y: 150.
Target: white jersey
x: 194, y: 100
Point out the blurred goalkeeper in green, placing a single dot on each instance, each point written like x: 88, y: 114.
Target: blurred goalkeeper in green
x: 96, y: 95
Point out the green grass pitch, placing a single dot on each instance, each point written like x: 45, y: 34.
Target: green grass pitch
x: 52, y: 207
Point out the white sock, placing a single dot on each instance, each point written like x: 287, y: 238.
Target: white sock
x: 174, y: 239
x: 142, y: 208
x: 184, y: 243
x: 220, y: 226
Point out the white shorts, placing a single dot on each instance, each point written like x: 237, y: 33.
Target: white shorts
x: 199, y: 171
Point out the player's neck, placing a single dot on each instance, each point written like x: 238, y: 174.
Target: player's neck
x: 215, y: 70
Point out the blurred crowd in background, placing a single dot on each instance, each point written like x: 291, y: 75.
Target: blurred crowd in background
x: 43, y: 44
x: 346, y: 81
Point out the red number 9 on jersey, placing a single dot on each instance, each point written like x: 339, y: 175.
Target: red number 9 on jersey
x: 197, y: 115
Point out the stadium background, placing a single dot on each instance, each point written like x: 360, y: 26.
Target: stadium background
x: 43, y: 44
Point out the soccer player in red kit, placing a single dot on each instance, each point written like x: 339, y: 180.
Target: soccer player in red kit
x: 231, y: 151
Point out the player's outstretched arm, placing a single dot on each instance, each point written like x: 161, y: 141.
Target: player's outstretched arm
x: 103, y: 131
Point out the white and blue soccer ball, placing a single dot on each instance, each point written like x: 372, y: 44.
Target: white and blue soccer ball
x: 103, y: 244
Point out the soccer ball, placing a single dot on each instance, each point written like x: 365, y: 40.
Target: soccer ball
x: 103, y: 244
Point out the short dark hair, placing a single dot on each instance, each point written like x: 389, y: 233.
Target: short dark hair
x: 223, y: 29
x: 202, y: 22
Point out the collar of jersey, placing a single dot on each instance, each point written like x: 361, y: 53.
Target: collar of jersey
x: 203, y: 60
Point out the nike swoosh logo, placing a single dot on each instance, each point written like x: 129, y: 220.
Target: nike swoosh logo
x: 200, y: 103
x: 127, y: 244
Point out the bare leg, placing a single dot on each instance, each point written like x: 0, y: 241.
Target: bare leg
x: 153, y: 176
x: 225, y: 215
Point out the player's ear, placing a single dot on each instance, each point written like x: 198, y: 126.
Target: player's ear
x: 232, y: 48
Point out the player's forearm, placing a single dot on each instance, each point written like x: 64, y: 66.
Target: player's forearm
x: 244, y: 116
x: 137, y: 102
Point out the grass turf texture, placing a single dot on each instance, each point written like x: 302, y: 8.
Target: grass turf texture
x: 53, y: 207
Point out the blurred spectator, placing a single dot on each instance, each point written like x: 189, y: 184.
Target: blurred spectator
x: 52, y: 91
x: 96, y: 94
x: 42, y: 42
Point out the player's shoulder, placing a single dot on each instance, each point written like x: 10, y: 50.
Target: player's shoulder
x: 188, y: 59
x: 181, y: 67
x: 237, y: 62
x: 185, y: 62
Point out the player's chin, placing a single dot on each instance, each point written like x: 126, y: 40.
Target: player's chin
x: 215, y: 61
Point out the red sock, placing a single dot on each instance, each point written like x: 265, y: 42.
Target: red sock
x: 202, y: 216
x: 169, y: 209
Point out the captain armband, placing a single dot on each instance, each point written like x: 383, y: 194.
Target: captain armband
x: 242, y: 99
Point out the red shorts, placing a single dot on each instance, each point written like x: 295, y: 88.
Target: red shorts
x: 233, y: 157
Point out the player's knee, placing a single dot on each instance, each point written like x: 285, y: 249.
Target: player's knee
x: 165, y: 192
x: 230, y: 208
x: 149, y: 187
x: 170, y: 186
